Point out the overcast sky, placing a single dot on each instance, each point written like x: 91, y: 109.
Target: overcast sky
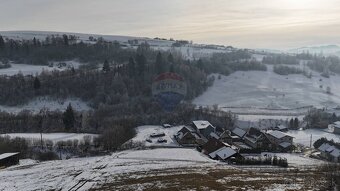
x: 276, y: 24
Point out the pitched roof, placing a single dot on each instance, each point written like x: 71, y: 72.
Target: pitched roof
x: 335, y: 153
x: 239, y: 132
x: 277, y: 134
x: 6, y: 155
x: 202, y: 124
x: 324, y: 146
x: 225, y: 134
x: 212, y: 145
x: 330, y: 149
x: 281, y: 127
x: 223, y: 153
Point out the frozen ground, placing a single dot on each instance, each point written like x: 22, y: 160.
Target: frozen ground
x: 26, y: 69
x: 144, y: 132
x: 267, y: 93
x: 51, y: 104
x: 55, y: 137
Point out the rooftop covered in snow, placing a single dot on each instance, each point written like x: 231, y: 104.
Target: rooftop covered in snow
x: 277, y: 134
x: 202, y: 124
x: 6, y: 155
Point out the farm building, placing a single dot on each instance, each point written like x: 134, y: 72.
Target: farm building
x: 9, y: 159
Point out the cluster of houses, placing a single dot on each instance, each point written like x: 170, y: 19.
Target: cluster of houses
x: 330, y: 152
x: 223, y: 144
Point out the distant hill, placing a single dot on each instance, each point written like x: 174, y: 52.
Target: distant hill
x: 324, y: 49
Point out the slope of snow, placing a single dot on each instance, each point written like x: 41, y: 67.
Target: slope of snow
x: 85, y: 173
x: 254, y: 92
x: 26, y: 69
x: 51, y: 104
x: 55, y: 137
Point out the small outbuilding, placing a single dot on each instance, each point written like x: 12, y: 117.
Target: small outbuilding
x: 336, y: 126
x: 9, y: 159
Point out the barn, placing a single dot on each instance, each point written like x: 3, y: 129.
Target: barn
x: 9, y: 159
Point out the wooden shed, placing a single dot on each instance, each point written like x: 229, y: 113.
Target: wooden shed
x: 9, y: 159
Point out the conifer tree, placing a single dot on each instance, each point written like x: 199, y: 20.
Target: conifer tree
x: 106, y: 66
x: 68, y: 118
x: 36, y: 83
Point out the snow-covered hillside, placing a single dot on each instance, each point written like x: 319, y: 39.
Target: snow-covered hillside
x: 47, y: 103
x: 26, y: 69
x: 189, y: 51
x: 267, y: 93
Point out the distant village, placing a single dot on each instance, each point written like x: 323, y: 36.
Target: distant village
x: 239, y: 145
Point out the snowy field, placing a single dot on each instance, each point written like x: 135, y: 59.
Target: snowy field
x: 84, y: 173
x: 267, y: 93
x: 297, y: 160
x: 139, y: 170
x: 54, y: 137
x: 46, y: 103
x: 303, y: 136
x: 144, y: 132
x: 26, y: 69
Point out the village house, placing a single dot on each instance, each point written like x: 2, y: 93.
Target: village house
x: 280, y: 140
x: 212, y: 145
x: 257, y: 140
x: 218, y: 150
x: 224, y: 153
x: 281, y: 128
x: 204, y: 128
x: 238, y: 132
x: 330, y: 152
x: 187, y: 136
x: 226, y: 137
x: 9, y: 159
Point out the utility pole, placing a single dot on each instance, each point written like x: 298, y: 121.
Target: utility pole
x: 311, y: 137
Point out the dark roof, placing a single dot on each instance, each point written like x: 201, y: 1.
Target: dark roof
x: 212, y: 145
x: 254, y: 132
